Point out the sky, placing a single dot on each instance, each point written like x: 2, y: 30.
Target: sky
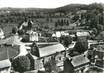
x: 43, y: 3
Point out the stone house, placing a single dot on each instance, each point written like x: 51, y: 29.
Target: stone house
x: 46, y: 53
x: 98, y: 55
x: 76, y: 63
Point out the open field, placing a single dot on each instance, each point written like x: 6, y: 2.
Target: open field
x: 8, y: 52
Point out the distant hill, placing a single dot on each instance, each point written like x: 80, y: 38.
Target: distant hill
x: 66, y: 8
x: 23, y: 9
x: 70, y: 7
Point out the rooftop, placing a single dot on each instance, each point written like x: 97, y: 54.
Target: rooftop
x: 48, y: 49
x: 5, y: 64
x: 79, y: 60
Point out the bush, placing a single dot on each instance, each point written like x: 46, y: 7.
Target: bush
x: 21, y: 64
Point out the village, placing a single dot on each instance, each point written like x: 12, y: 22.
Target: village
x: 61, y: 39
x: 26, y: 50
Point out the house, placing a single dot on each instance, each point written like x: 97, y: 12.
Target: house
x: 5, y: 66
x: 33, y: 36
x: 46, y: 52
x: 48, y: 49
x: 60, y: 33
x: 91, y: 42
x: 82, y: 33
x: 80, y: 61
x: 99, y: 56
x: 76, y: 63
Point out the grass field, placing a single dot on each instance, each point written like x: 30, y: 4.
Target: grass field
x: 8, y: 52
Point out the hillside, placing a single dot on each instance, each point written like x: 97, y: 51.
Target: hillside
x: 70, y: 7
x: 63, y: 17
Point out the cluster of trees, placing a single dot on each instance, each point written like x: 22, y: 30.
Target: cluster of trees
x: 22, y: 64
x: 75, y: 18
x: 93, y: 17
x: 65, y: 40
x: 80, y: 47
x: 61, y: 22
x: 51, y: 65
x: 16, y: 17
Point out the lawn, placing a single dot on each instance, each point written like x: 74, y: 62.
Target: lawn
x: 8, y: 52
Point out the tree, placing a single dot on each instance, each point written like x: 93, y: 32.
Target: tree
x: 65, y: 40
x: 95, y: 31
x: 29, y: 25
x: 56, y: 24
x: 67, y: 22
x: 47, y: 19
x: 14, y: 30
x: 100, y: 28
x: 75, y: 18
x: 62, y: 22
x: 47, y: 67
x: 21, y: 64
x: 81, y: 45
x: 50, y: 65
x: 21, y: 32
x: 34, y: 49
x: 68, y: 67
x: 25, y: 38
x: 94, y: 15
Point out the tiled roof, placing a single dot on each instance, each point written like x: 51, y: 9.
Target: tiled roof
x: 79, y: 60
x: 51, y: 49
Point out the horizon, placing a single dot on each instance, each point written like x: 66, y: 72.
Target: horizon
x: 43, y: 3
